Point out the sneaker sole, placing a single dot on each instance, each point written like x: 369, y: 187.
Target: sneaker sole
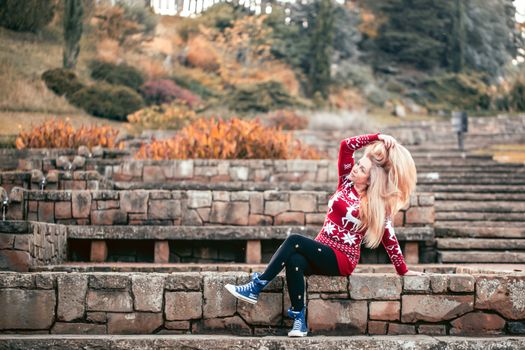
x: 297, y: 334
x: 231, y: 288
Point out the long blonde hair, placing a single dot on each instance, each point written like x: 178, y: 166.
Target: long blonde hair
x: 392, y: 179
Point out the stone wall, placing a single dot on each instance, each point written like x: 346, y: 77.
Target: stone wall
x: 224, y: 170
x: 25, y: 244
x: 197, y: 303
x: 192, y: 208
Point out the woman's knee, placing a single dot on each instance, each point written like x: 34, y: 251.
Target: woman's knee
x: 296, y: 240
x: 296, y: 262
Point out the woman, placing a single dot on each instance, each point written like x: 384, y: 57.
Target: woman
x: 369, y: 194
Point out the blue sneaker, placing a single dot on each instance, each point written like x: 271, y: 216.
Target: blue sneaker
x: 299, y: 329
x: 250, y: 291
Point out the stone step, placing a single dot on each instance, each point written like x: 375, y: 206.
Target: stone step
x: 478, y: 224
x: 442, y: 197
x: 480, y: 243
x: 219, y: 232
x: 472, y: 180
x: 481, y: 256
x: 510, y: 168
x: 243, y: 267
x: 501, y: 218
x: 479, y: 206
x: 442, y: 176
x: 481, y: 230
x: 457, y: 188
x: 226, y: 342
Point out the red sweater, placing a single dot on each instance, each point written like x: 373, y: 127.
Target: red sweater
x: 343, y: 215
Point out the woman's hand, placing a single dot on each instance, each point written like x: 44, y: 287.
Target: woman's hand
x: 413, y: 273
x: 388, y: 140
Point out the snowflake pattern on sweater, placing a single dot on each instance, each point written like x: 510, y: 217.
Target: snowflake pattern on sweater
x: 339, y: 229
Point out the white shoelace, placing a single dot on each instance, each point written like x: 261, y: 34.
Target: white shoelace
x: 246, y: 286
x: 297, y: 324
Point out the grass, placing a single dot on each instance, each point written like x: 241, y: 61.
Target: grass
x: 505, y: 153
x: 23, y: 59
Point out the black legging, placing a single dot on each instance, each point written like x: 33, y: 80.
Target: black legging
x: 303, y: 256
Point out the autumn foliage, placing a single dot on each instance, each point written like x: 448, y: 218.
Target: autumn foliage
x: 61, y: 134
x: 227, y: 139
x: 166, y: 116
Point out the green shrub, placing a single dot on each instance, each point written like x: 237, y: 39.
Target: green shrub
x: 108, y: 101
x: 516, y: 99
x: 449, y: 91
x: 120, y: 74
x: 62, y: 81
x: 26, y: 15
x: 260, y: 97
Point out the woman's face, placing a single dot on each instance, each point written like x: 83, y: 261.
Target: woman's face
x: 361, y: 171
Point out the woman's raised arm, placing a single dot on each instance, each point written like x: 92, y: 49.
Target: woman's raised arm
x: 346, y: 152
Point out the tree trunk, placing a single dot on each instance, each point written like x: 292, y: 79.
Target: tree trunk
x: 73, y: 12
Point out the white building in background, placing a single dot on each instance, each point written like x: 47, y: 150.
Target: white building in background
x: 187, y: 8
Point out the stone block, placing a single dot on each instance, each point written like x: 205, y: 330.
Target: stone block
x: 108, y: 281
x: 385, y: 310
x: 275, y: 207
x: 183, y: 306
x: 72, y: 290
x: 267, y: 311
x: 15, y: 260
x: 477, y: 323
x: 375, y: 286
x: 111, y: 301
x: 230, y: 213
x: 63, y: 210
x: 461, y: 283
x: 46, y: 212
x: 147, y: 291
x: 81, y: 204
x: 134, y: 323
x: 256, y: 203
x: 503, y: 294
x: 109, y: 217
x: 253, y: 252
x: 305, y: 202
x: 377, y: 327
x: 199, y: 199
x: 161, y: 254
x: 218, y: 302
x: 164, y: 209
x: 416, y: 283
x: 398, y: 329
x: 337, y: 316
x: 191, y: 281
x: 420, y: 215
x: 327, y: 284
x: 134, y: 201
x: 39, y: 304
x: 290, y: 218
x: 432, y: 329
x: 78, y: 328
x: 434, y: 308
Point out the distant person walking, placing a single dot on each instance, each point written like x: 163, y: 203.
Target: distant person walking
x: 369, y: 194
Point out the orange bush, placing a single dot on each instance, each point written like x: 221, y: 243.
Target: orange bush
x: 287, y: 119
x: 61, y: 134
x: 202, y: 54
x: 227, y: 139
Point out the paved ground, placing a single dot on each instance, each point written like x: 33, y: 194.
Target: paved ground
x: 410, y: 342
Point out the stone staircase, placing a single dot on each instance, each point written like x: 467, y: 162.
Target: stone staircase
x: 480, y: 209
x: 118, y: 246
